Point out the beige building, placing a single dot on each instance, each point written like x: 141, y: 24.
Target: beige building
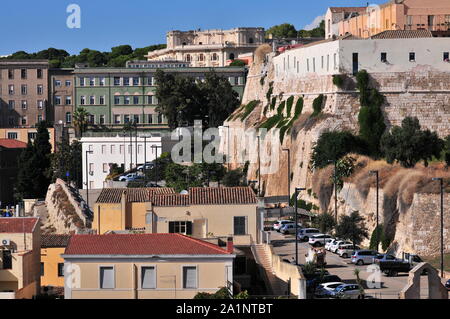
x: 202, y: 212
x: 26, y: 135
x: 62, y: 98
x: 144, y: 266
x: 364, y: 22
x: 209, y: 48
x: 23, y: 92
x: 19, y: 257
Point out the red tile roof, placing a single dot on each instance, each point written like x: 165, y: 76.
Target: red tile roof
x: 10, y: 143
x: 347, y: 9
x: 54, y: 240
x: 133, y: 195
x: 18, y: 225
x: 140, y: 244
x: 403, y: 34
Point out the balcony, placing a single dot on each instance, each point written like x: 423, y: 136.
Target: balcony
x: 7, y: 295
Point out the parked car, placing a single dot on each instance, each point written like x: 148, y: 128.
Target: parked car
x: 289, y: 228
x: 447, y: 284
x: 391, y: 267
x: 334, y: 248
x: 305, y: 233
x: 330, y: 243
x: 280, y: 223
x: 364, y: 256
x: 148, y: 166
x: 127, y: 178
x: 350, y: 291
x: 325, y: 290
x: 314, y: 282
x: 346, y: 251
x: 319, y: 240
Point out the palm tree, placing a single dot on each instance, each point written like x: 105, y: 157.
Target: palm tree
x: 80, y: 120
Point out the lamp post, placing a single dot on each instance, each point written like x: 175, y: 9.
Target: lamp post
x: 156, y: 163
x: 297, y: 190
x: 259, y: 165
x: 441, y: 180
x: 289, y: 172
x: 378, y: 187
x: 145, y: 137
x: 228, y: 146
x: 87, y: 179
x: 335, y: 189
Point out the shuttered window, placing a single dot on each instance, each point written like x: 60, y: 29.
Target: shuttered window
x: 190, y: 277
x: 240, y: 225
x: 184, y: 228
x: 148, y: 277
x: 107, y: 277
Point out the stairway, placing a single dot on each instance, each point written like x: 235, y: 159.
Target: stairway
x: 276, y: 285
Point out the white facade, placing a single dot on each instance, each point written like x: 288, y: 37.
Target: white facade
x: 334, y: 57
x: 116, y: 150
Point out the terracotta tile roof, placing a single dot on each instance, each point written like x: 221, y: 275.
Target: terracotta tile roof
x: 18, y: 224
x: 54, y: 240
x: 403, y: 34
x: 10, y: 143
x: 208, y: 196
x: 133, y: 195
x: 347, y: 9
x: 140, y: 244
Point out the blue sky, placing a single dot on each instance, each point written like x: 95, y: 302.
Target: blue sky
x: 32, y: 25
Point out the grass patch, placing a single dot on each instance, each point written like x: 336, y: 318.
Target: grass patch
x: 281, y: 107
x: 318, y: 105
x: 289, y: 103
x: 271, y: 122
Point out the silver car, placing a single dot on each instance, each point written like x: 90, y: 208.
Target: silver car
x: 348, y: 291
x: 363, y: 257
x: 289, y: 228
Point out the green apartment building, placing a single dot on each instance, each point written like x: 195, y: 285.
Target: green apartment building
x: 115, y: 96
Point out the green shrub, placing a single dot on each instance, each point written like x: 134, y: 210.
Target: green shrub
x: 273, y: 103
x: 281, y: 107
x: 249, y: 108
x: 289, y: 103
x: 338, y: 80
x: 271, y: 122
x: 318, y: 105
x: 269, y: 91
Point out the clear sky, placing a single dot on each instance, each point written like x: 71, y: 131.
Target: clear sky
x: 33, y: 25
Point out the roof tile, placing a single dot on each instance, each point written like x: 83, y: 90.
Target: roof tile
x: 18, y: 224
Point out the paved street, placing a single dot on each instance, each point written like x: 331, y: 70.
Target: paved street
x: 390, y: 286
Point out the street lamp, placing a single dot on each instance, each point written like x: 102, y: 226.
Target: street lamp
x: 335, y: 188
x: 87, y: 179
x: 297, y: 190
x: 441, y: 180
x: 259, y: 165
x: 289, y: 172
x: 378, y: 187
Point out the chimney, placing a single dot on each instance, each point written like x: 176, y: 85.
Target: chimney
x: 230, y: 246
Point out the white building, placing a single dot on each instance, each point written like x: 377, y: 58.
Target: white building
x: 387, y: 52
x: 118, y: 150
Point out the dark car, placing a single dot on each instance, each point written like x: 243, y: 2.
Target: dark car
x: 447, y: 284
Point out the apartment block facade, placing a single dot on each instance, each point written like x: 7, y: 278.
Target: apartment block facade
x: 62, y: 99
x: 115, y: 96
x: 23, y: 92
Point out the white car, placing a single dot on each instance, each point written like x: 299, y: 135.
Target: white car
x: 280, y: 223
x: 334, y: 248
x: 330, y: 243
x: 346, y: 251
x: 305, y: 233
x: 327, y: 289
x: 319, y: 240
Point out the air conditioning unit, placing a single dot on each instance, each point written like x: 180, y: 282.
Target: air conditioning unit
x: 6, y: 242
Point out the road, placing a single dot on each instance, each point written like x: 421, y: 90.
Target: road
x: 389, y: 287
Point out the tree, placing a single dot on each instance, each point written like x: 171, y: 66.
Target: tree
x: 68, y: 161
x: 80, y: 120
x: 34, y: 174
x: 238, y: 63
x: 325, y: 222
x: 234, y: 178
x: 352, y: 228
x: 334, y: 145
x: 281, y: 31
x: 447, y: 150
x: 408, y: 144
x: 318, y: 32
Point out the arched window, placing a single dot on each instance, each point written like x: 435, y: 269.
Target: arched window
x: 251, y: 40
x: 201, y: 57
x: 231, y: 56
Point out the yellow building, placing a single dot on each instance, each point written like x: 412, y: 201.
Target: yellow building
x: 52, y: 264
x: 144, y: 266
x: 202, y: 212
x: 26, y: 134
x: 19, y: 257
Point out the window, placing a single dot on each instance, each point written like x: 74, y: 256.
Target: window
x: 240, y: 225
x: 23, y: 120
x: 57, y: 83
x: 188, y: 58
x: 12, y: 135
x: 7, y: 259
x: 39, y: 73
x: 91, y: 119
x: 383, y: 57
x: 57, y: 100
x: 40, y: 89
x: 214, y: 57
x: 150, y: 118
x: 201, y: 57
x: 160, y: 118
x: 68, y: 83
x: 102, y: 119
x: 102, y: 81
x: 105, y: 167
x: 116, y: 81
x: 92, y: 100
x: 39, y: 118
x: 82, y: 100
x: 127, y: 100
x: 81, y: 81
x: 102, y: 100
x: 24, y: 89
x: 11, y: 105
x: 60, y: 269
x: 430, y: 21
x: 68, y: 100
x: 136, y: 118
x: 68, y: 118
x: 126, y: 119
x: 113, y: 149
x: 122, y: 149
x: 116, y: 119
x: 31, y: 136
x: 24, y: 105
x: 92, y: 81
x: 135, y: 80
x: 181, y: 227
x: 135, y: 99
x: 103, y: 149
x: 11, y: 74
x: 148, y: 277
x: 409, y: 20
x: 126, y: 81
x: 189, y: 277
x: 107, y: 278
x: 117, y: 100
x: 42, y: 269
x: 412, y: 57
x: 150, y: 99
x: 11, y: 89
x: 446, y: 56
